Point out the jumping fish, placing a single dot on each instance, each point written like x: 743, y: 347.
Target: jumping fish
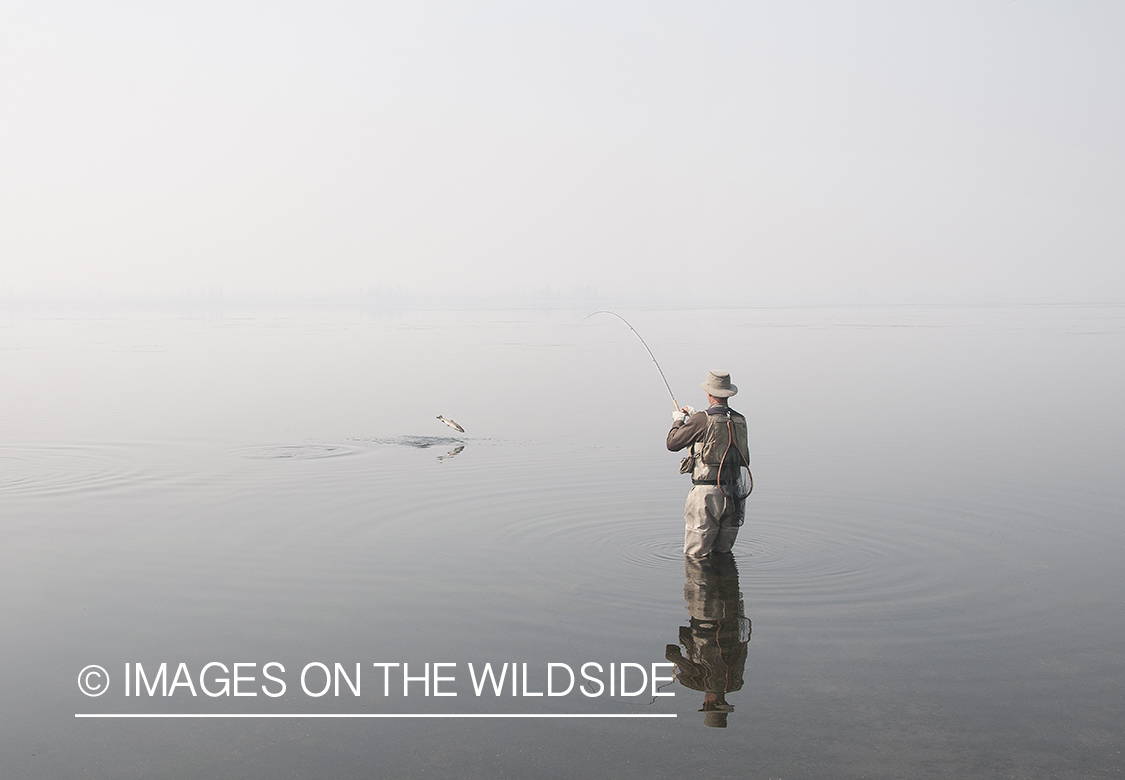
x: 451, y: 424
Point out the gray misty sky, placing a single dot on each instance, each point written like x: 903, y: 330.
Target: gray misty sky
x: 800, y: 151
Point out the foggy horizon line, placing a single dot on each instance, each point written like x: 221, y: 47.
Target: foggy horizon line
x: 542, y: 298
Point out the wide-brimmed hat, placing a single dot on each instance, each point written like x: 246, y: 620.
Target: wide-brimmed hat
x: 718, y: 385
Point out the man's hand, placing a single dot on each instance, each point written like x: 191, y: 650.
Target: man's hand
x: 689, y: 410
x: 678, y: 416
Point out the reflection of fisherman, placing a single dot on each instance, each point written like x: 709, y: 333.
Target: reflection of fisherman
x: 711, y: 516
x: 715, y: 641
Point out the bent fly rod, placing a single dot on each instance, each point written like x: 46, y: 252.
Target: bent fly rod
x: 638, y: 335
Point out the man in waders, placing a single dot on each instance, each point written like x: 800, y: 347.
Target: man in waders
x: 717, y: 438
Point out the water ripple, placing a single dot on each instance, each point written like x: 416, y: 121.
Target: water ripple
x: 294, y: 451
x: 54, y: 470
x: 418, y: 442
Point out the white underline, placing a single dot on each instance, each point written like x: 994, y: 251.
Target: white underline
x: 365, y: 715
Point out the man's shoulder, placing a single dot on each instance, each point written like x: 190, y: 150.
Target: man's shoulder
x: 721, y: 409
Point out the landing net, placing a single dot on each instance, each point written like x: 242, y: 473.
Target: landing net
x: 735, y: 480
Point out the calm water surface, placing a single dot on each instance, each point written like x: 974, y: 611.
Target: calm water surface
x: 928, y: 583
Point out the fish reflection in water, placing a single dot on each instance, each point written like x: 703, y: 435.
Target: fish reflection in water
x: 452, y: 452
x: 714, y: 642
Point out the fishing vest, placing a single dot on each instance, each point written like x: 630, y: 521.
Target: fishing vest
x: 708, y: 453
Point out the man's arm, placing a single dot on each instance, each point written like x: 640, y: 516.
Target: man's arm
x: 684, y: 433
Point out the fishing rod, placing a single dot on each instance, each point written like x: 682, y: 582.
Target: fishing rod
x: 638, y: 335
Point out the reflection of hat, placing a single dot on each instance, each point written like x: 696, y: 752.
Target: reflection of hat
x: 715, y: 710
x: 718, y: 384
x: 716, y: 720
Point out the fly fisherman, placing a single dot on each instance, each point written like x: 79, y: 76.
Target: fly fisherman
x: 717, y: 441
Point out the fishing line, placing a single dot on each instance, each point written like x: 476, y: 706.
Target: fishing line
x: 638, y: 335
